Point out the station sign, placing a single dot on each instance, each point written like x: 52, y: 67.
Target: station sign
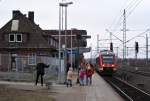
x: 81, y: 50
x: 74, y: 51
x: 84, y: 50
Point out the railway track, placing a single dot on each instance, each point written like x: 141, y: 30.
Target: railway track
x: 126, y: 90
x: 139, y: 72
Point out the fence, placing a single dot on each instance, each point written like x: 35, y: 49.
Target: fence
x: 23, y: 67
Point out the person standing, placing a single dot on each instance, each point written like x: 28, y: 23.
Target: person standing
x: 79, y: 68
x: 69, y: 77
x: 40, y: 71
x: 89, y: 73
x: 81, y: 76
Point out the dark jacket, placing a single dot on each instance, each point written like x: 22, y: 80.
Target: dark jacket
x: 40, y: 68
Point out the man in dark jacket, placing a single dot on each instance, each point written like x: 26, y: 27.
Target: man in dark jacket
x: 40, y: 71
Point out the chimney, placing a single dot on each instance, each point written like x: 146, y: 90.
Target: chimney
x: 31, y: 16
x: 16, y: 13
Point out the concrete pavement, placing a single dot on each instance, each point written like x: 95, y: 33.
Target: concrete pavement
x: 98, y: 91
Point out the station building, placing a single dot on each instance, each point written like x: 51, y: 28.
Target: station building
x: 23, y: 43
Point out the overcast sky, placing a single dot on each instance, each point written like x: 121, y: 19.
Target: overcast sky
x: 92, y: 15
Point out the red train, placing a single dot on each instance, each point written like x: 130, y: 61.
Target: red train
x: 106, y: 62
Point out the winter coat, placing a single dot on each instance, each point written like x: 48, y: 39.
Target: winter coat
x: 40, y: 68
x: 81, y: 73
x: 69, y: 75
x: 89, y: 71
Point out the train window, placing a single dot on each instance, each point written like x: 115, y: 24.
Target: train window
x: 107, y: 59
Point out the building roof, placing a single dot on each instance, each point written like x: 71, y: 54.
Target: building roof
x: 75, y: 32
x: 26, y: 26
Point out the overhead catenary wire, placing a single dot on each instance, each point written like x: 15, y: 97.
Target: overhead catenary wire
x: 128, y: 7
x: 131, y: 4
x: 129, y: 10
x: 135, y: 6
x: 117, y: 18
x: 137, y: 35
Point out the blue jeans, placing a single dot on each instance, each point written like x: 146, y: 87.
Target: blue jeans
x: 82, y: 81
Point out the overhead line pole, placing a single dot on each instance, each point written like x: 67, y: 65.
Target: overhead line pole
x: 124, y: 35
x: 146, y: 49
x: 97, y: 43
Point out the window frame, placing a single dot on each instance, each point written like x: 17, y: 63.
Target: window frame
x: 32, y: 57
x: 10, y: 38
x: 16, y: 36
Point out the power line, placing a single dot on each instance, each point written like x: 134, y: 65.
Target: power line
x: 137, y: 35
x: 134, y: 8
x: 118, y: 19
x: 129, y: 8
x: 131, y: 4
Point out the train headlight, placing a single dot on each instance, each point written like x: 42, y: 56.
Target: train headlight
x: 101, y: 69
x: 112, y: 65
x: 103, y: 65
x: 114, y: 69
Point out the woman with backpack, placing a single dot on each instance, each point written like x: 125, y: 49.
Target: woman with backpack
x: 89, y: 73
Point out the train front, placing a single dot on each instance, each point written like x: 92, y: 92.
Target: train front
x: 107, y: 62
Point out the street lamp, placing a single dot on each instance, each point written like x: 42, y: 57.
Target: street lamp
x: 61, y: 5
x: 65, y: 5
x: 59, y: 74
x: 71, y: 47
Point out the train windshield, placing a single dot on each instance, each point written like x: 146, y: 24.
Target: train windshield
x: 107, y: 59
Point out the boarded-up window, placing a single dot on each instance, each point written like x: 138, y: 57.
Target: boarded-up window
x: 15, y: 25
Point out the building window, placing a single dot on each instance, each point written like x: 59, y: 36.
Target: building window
x: 11, y: 38
x: 49, y: 40
x: 15, y: 37
x: 32, y: 59
x: 18, y: 37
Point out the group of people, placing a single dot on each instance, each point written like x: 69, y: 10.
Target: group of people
x: 85, y: 72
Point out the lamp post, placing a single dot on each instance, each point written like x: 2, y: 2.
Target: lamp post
x: 59, y: 74
x: 61, y: 16
x: 65, y: 55
x: 71, y: 47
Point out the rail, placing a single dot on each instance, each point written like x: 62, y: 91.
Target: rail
x: 127, y: 91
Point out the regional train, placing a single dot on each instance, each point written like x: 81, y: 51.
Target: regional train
x: 106, y: 62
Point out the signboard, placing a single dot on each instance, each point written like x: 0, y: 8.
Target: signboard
x: 80, y: 49
x: 73, y: 51
x: 84, y: 50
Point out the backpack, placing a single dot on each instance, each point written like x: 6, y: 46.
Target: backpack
x: 89, y: 71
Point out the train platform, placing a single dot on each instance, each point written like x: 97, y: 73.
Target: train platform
x: 98, y: 91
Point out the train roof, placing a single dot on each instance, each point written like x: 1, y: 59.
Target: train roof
x: 106, y: 52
